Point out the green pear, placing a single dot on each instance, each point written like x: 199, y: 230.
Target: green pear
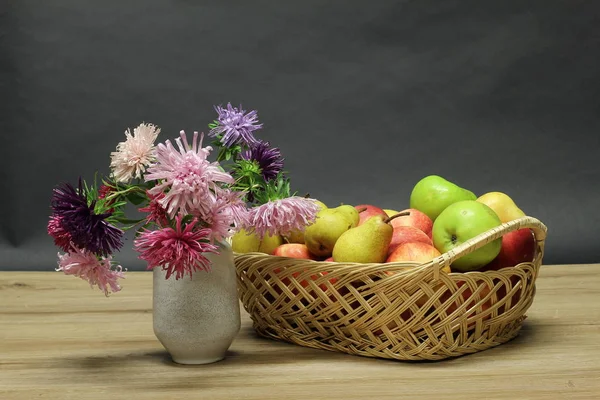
x: 366, y: 243
x: 249, y: 242
x: 432, y: 194
x: 330, y: 224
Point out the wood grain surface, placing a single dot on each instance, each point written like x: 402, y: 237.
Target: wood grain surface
x: 59, y: 339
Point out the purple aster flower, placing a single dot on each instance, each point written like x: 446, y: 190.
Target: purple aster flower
x: 235, y: 125
x: 268, y: 158
x: 87, y: 229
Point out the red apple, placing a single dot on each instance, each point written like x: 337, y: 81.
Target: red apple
x: 414, y: 251
x: 294, y: 250
x: 517, y: 247
x: 407, y: 234
x: 369, y: 211
x: 416, y: 219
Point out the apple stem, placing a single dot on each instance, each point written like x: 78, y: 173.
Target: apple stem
x: 362, y: 209
x: 400, y: 214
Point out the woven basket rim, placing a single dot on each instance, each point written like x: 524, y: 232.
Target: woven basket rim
x: 538, y: 228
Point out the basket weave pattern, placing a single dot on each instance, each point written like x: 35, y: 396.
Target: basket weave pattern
x: 401, y: 311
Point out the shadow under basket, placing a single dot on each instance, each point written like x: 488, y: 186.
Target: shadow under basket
x: 400, y: 311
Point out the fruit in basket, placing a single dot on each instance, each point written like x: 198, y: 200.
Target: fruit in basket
x: 502, y: 204
x: 432, y: 194
x: 418, y: 252
x: 416, y: 219
x: 320, y: 237
x: 294, y: 250
x: 367, y: 211
x: 390, y: 212
x: 297, y: 236
x: 460, y: 222
x: 248, y: 242
x: 366, y: 243
x: 407, y: 234
x: 517, y: 247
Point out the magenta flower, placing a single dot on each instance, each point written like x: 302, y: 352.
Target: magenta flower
x: 61, y: 237
x: 156, y: 212
x: 186, y: 176
x: 282, y: 216
x: 178, y: 251
x: 235, y: 125
x: 89, y: 267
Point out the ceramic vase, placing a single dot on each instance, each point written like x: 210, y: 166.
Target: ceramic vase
x: 197, y: 318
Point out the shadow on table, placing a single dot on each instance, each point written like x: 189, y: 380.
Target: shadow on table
x: 253, y: 350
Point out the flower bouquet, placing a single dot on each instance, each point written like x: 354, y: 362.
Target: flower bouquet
x: 190, y: 206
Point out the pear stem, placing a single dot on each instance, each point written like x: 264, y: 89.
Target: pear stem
x: 362, y: 209
x: 400, y: 214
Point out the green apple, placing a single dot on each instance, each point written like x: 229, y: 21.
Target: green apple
x: 460, y: 222
x: 432, y: 194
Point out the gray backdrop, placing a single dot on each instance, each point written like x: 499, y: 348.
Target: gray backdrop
x: 363, y: 97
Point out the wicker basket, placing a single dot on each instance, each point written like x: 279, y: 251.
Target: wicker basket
x: 401, y: 311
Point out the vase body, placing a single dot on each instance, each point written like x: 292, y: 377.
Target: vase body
x: 197, y: 318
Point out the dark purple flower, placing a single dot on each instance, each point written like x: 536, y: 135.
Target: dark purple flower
x: 268, y: 158
x: 235, y: 126
x: 87, y: 229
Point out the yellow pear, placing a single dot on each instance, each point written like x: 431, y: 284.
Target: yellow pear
x: 366, y: 243
x: 390, y: 212
x: 244, y: 242
x: 502, y: 204
x: 320, y: 236
x: 297, y: 236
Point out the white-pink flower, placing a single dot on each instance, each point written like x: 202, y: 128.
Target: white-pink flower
x: 282, y: 216
x: 87, y: 266
x: 135, y: 154
x: 190, y: 182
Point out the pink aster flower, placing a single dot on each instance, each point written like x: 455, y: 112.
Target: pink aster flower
x: 186, y: 176
x: 282, y: 216
x: 61, y: 237
x: 178, y: 251
x: 226, y: 214
x: 135, y: 154
x: 87, y: 266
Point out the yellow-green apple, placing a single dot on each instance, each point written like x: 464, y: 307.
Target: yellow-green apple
x: 418, y: 252
x: 460, y: 222
x: 407, y: 234
x: 517, y: 247
x: 294, y: 250
x: 433, y: 194
x: 248, y: 242
x: 368, y: 211
x: 416, y: 219
x: 502, y: 204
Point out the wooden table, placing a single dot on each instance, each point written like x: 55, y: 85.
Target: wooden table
x: 59, y: 339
